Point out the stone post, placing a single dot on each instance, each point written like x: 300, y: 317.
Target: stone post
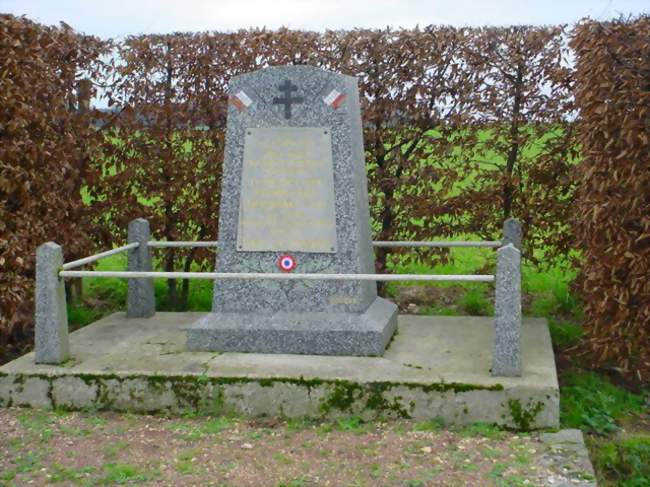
x: 506, y: 357
x: 141, y: 302
x: 51, y: 329
x: 512, y: 232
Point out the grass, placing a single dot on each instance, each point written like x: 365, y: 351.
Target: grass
x: 593, y: 404
x: 39, y: 423
x: 416, y: 453
x: 435, y: 424
x: 185, y: 463
x: 625, y: 462
x: 475, y: 303
x: 484, y: 430
x: 125, y: 473
x: 192, y: 431
x: 28, y: 462
x: 61, y: 473
x: 620, y: 455
x: 353, y: 423
x: 564, y: 333
x: 112, y: 450
x: 294, y: 483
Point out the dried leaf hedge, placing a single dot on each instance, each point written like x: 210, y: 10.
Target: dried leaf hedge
x: 462, y: 128
x: 44, y: 151
x: 613, y: 202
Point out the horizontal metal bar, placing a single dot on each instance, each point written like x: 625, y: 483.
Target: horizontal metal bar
x: 488, y: 243
x: 101, y: 255
x: 278, y: 276
x: 181, y: 243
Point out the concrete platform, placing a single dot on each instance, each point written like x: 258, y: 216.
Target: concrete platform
x: 436, y: 366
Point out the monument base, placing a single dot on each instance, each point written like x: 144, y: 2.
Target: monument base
x: 435, y: 367
x: 310, y: 333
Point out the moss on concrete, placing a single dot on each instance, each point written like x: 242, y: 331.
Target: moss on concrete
x: 346, y: 394
x: 413, y: 366
x: 341, y: 398
x: 202, y: 393
x: 378, y: 403
x: 458, y: 387
x: 392, y: 339
x: 524, y: 416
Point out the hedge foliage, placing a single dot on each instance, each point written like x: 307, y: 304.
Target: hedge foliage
x: 44, y: 142
x: 462, y: 127
x: 613, y: 203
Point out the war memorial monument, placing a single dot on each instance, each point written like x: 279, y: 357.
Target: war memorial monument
x: 296, y: 328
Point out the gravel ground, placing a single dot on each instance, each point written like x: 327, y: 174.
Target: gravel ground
x: 72, y: 448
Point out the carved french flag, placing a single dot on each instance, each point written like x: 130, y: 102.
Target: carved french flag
x: 335, y: 99
x: 240, y: 101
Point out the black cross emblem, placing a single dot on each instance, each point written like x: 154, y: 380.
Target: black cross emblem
x: 287, y: 87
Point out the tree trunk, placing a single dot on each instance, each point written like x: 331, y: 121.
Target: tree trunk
x: 172, y: 291
x: 513, y: 152
x: 185, y: 288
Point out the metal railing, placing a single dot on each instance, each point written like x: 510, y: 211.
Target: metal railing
x: 51, y: 316
x: 280, y: 277
x: 94, y: 258
x: 376, y: 243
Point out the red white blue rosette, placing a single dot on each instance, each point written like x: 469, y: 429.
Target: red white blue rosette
x: 287, y: 263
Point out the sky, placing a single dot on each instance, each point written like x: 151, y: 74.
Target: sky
x: 119, y: 18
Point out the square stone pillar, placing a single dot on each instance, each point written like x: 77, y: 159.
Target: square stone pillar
x: 51, y: 344
x: 141, y: 301
x: 506, y: 358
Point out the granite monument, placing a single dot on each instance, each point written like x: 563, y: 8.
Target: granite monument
x: 294, y: 199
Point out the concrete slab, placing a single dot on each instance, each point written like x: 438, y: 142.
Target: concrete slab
x: 567, y: 455
x: 436, y: 366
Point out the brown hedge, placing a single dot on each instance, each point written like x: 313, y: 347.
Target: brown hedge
x: 162, y: 151
x: 428, y: 95
x: 44, y: 150
x: 613, y: 204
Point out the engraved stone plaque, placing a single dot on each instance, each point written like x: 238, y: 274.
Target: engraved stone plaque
x: 287, y: 191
